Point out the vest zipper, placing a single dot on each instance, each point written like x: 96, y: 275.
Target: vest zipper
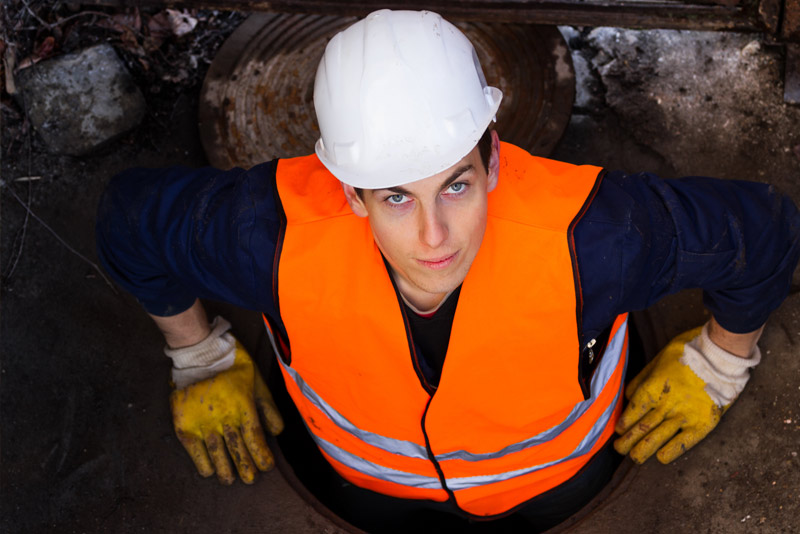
x: 432, y: 457
x: 591, y: 352
x: 590, y: 357
x: 429, y: 388
x: 287, y: 357
x: 587, y: 355
x: 583, y: 382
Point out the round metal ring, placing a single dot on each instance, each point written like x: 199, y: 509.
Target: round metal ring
x: 257, y: 99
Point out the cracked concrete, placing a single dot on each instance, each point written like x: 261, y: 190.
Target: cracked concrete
x: 688, y: 95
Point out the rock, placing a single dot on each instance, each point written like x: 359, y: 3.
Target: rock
x: 587, y: 95
x: 586, y: 82
x: 751, y: 49
x: 80, y: 101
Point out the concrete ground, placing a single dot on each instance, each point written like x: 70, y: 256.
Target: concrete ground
x: 87, y: 441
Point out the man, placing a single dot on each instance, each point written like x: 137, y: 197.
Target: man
x: 450, y: 313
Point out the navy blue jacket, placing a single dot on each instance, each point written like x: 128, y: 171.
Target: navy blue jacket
x: 169, y: 236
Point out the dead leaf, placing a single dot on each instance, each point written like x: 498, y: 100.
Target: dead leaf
x: 9, y: 61
x: 159, y: 25
x: 43, y: 50
x: 130, y: 43
x: 181, y: 22
x: 152, y: 43
x: 121, y: 21
x: 176, y: 77
x: 46, y: 48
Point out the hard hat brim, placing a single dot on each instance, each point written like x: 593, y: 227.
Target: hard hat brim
x: 411, y: 170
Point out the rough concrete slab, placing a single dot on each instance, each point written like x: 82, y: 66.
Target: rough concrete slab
x: 81, y: 101
x: 688, y: 95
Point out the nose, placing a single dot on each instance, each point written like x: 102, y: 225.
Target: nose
x: 433, y: 227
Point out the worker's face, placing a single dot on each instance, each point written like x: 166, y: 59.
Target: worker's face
x: 430, y: 230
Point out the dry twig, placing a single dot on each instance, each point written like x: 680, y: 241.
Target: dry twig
x: 55, y: 234
x: 19, y: 242
x: 19, y: 238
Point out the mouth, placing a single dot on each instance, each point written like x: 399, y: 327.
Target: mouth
x: 439, y: 263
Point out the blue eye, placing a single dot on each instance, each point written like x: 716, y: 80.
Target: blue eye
x: 457, y: 188
x: 397, y: 199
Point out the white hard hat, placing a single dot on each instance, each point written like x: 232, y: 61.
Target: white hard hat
x: 399, y: 96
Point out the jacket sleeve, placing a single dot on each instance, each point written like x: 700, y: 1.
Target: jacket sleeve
x: 172, y: 235
x: 644, y: 237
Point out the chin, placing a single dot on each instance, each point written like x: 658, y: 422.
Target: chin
x: 440, y: 285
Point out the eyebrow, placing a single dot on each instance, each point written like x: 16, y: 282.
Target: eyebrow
x: 453, y: 177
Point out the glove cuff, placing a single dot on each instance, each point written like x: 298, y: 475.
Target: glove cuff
x: 725, y: 374
x: 203, y: 360
x: 724, y: 361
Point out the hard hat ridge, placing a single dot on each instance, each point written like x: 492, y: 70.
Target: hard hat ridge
x: 399, y: 97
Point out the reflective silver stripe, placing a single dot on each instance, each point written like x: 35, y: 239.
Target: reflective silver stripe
x: 374, y: 470
x: 601, y: 376
x: 459, y: 483
x: 392, y: 445
x: 406, y: 448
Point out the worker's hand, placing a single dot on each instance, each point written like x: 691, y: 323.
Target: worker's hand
x: 219, y: 413
x: 685, y: 389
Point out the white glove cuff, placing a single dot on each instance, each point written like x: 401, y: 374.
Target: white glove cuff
x: 725, y: 374
x: 211, y: 356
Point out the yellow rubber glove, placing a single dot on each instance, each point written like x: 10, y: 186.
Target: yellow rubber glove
x: 220, y: 413
x: 669, y: 396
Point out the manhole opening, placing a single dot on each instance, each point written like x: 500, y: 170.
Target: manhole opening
x: 256, y: 102
x: 355, y: 510
x: 249, y: 113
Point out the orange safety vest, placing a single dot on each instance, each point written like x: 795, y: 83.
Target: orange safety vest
x: 508, y: 420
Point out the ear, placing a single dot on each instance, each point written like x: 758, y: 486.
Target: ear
x: 355, y: 201
x: 494, y: 162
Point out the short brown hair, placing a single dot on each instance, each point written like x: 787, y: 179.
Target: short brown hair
x: 484, y: 147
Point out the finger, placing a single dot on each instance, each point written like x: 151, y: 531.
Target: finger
x: 238, y: 451
x: 641, y: 403
x: 624, y: 444
x: 267, y: 406
x: 254, y: 439
x: 655, y: 439
x: 216, y: 450
x: 681, y: 443
x: 197, y: 451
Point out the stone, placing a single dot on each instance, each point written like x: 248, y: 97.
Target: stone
x: 587, y: 95
x: 80, y: 101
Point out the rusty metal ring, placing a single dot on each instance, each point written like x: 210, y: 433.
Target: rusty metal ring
x: 256, y: 102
